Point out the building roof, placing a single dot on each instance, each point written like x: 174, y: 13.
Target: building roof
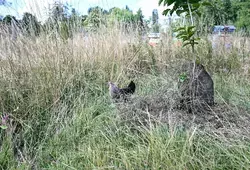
x: 222, y: 28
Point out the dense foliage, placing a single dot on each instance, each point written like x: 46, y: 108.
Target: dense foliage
x: 227, y: 12
x: 64, y: 21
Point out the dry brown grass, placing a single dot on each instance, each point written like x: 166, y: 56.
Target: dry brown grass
x: 56, y: 95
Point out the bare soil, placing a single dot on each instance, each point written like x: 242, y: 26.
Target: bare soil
x: 222, y: 119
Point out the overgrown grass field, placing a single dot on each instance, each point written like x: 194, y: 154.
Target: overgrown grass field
x: 61, y: 115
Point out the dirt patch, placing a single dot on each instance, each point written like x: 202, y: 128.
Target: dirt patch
x: 222, y: 119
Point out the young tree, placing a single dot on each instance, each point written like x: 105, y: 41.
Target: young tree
x: 190, y: 8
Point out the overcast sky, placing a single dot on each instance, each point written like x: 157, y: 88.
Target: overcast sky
x: 38, y: 7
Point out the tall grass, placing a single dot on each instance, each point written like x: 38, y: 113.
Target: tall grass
x: 61, y: 116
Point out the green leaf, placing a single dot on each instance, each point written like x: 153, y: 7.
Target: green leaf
x: 194, y: 1
x: 194, y: 10
x: 182, y: 77
x: 3, y: 127
x: 175, y: 7
x: 159, y: 3
x: 185, y: 44
x: 191, y: 27
x: 165, y: 12
x: 181, y: 35
x: 196, y: 5
x: 179, y: 29
x: 184, y: 37
x: 169, y: 2
x: 190, y: 34
x: 166, y: 2
x: 198, y: 13
x: 185, y: 7
x: 171, y: 12
x: 179, y: 12
x: 206, y: 4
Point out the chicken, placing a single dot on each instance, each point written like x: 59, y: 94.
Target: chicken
x: 117, y: 93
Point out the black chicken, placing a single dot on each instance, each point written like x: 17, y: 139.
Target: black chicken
x: 117, y: 93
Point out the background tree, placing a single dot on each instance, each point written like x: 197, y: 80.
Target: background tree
x: 58, y: 21
x: 126, y: 19
x: 220, y: 12
x: 8, y: 18
x: 128, y: 9
x: 228, y: 11
x: 5, y: 3
x: 225, y: 12
x: 2, y: 2
x: 11, y: 25
x: 155, y: 21
x: 96, y: 17
x: 210, y: 16
x: 59, y: 11
x: 123, y: 17
x: 243, y: 15
x: 30, y: 24
x: 76, y: 22
x: 139, y: 19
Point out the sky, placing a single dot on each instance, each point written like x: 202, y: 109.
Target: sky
x: 39, y: 8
